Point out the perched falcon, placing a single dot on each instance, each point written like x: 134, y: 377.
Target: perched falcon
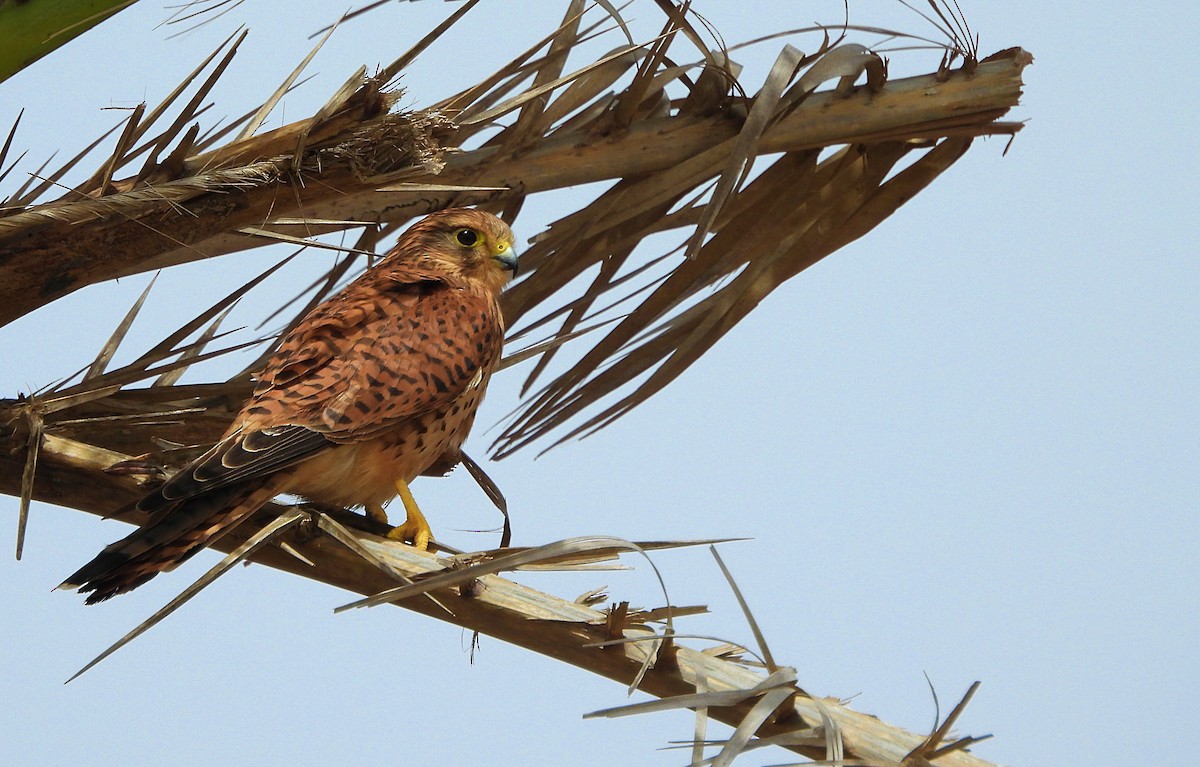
x: 372, y: 388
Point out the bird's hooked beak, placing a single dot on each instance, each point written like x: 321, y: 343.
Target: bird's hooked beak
x: 506, y: 256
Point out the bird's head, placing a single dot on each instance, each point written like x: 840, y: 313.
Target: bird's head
x: 462, y: 244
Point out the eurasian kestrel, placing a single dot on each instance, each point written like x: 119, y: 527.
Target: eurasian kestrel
x: 371, y: 389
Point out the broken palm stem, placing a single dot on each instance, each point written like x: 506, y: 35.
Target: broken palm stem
x: 46, y: 250
x: 72, y: 474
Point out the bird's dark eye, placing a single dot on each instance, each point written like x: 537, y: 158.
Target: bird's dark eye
x: 468, y: 238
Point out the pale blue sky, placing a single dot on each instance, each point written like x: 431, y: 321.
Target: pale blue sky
x: 965, y: 446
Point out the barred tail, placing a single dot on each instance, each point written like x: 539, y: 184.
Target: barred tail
x: 169, y: 538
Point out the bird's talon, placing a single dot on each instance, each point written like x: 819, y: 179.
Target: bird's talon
x: 412, y: 533
x: 415, y: 529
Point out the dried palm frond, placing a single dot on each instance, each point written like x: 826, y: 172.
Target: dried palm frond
x: 735, y: 692
x: 679, y: 141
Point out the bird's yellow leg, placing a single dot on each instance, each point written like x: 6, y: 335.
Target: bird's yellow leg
x: 415, y: 529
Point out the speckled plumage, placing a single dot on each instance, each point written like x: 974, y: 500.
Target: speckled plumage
x: 378, y: 384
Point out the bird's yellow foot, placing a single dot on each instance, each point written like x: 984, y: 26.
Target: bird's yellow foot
x: 415, y: 529
x: 416, y: 533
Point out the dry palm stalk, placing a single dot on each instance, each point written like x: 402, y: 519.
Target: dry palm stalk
x: 73, y: 474
x: 42, y: 248
x: 357, y: 164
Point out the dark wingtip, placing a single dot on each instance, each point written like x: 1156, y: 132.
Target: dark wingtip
x: 99, y: 596
x: 100, y: 565
x: 102, y: 577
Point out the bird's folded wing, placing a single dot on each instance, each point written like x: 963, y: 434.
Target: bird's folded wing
x: 379, y: 355
x: 239, y: 457
x: 360, y: 364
